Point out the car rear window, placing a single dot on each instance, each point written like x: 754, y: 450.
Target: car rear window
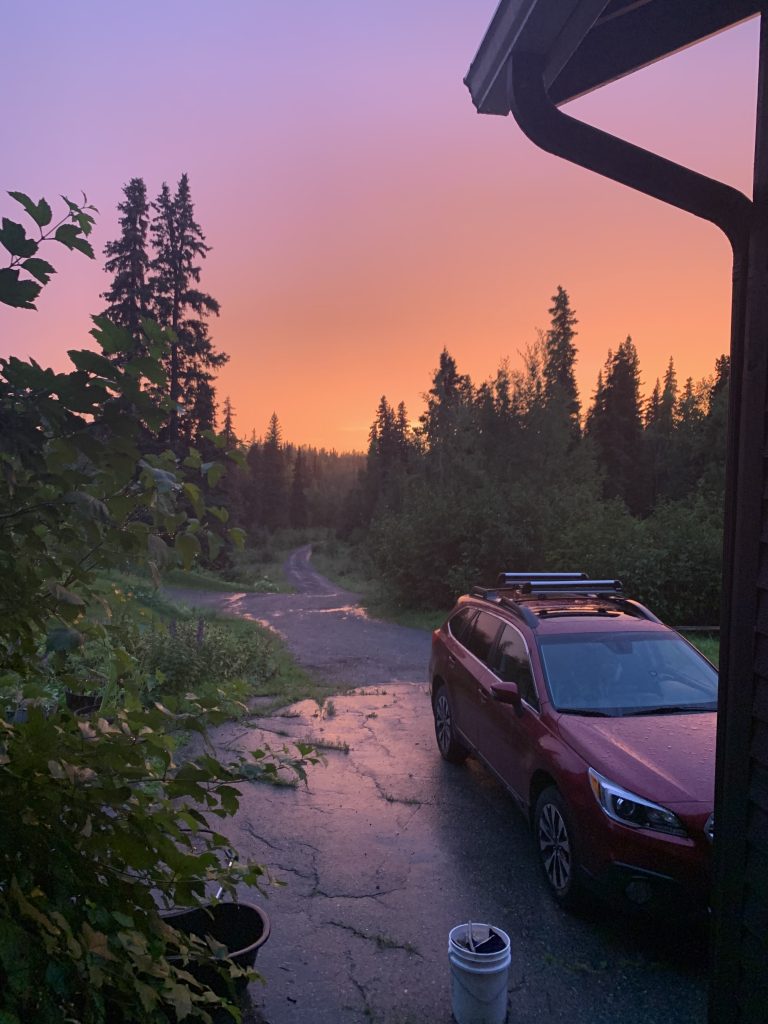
x: 481, y: 638
x: 459, y: 623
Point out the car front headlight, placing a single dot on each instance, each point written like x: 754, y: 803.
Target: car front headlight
x: 630, y: 809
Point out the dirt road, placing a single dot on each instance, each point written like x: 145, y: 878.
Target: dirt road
x: 388, y: 847
x: 326, y: 630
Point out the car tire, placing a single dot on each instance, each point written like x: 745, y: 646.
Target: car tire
x: 556, y: 847
x: 451, y: 748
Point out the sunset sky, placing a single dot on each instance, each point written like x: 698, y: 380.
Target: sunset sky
x: 361, y: 214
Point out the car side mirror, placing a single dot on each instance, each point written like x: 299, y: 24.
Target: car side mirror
x: 506, y: 693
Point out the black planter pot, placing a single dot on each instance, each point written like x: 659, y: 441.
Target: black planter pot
x: 241, y: 927
x: 83, y: 703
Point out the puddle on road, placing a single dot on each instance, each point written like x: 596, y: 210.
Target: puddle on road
x: 353, y: 610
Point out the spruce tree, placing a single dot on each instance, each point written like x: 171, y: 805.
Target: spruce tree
x: 179, y: 304
x: 616, y: 425
x: 129, y: 298
x: 560, y: 389
x: 274, y: 478
x: 298, y: 511
x: 228, y: 425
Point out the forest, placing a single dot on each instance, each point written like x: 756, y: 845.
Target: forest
x: 515, y: 472
x: 123, y: 469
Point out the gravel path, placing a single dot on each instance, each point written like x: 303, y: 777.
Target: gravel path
x: 326, y: 630
x: 387, y: 847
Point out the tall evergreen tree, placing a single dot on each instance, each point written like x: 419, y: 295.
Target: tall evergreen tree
x: 298, y: 510
x: 274, y: 478
x: 445, y: 426
x: 616, y: 425
x: 228, y: 425
x: 560, y: 389
x: 129, y: 298
x: 179, y: 304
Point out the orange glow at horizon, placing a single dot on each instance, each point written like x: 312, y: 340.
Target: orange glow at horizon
x: 361, y: 215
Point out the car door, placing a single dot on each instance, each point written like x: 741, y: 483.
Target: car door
x: 454, y: 667
x: 510, y: 736
x: 479, y: 644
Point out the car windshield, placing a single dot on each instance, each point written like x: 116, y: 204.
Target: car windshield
x: 627, y: 674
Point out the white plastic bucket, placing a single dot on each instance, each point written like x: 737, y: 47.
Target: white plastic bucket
x: 478, y: 980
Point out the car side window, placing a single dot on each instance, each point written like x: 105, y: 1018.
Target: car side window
x: 512, y: 665
x: 459, y: 624
x: 482, y: 637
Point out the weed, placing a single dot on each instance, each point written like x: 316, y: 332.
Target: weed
x: 328, y: 709
x: 407, y: 800
x: 340, y: 745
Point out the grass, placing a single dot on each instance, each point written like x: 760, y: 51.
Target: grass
x: 708, y: 645
x: 287, y: 683
x: 339, y: 563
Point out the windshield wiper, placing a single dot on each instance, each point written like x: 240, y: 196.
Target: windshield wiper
x: 669, y: 709
x: 591, y: 712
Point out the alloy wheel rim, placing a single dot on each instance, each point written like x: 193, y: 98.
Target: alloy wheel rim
x: 443, y: 722
x: 555, y: 847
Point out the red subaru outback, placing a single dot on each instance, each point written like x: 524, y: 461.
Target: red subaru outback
x: 598, y: 719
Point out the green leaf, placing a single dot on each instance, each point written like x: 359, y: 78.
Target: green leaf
x: 38, y: 268
x: 215, y: 544
x: 188, y: 547
x: 40, y: 212
x: 13, y: 292
x: 64, y: 596
x: 93, y: 362
x: 237, y: 536
x: 158, y: 550
x: 63, y: 638
x: 70, y: 236
x: 92, y: 507
x: 196, y: 499
x: 111, y: 337
x: 14, y: 238
x: 214, y: 472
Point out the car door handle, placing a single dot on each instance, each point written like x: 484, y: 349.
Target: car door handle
x: 451, y: 661
x: 482, y: 695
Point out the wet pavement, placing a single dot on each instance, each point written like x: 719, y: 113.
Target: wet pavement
x: 387, y: 847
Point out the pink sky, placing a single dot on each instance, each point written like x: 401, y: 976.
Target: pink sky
x: 362, y: 215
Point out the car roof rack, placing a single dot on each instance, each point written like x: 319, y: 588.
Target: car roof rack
x: 514, y: 589
x: 571, y: 586
x: 507, y: 579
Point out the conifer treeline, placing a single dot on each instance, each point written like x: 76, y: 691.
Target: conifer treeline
x: 155, y: 268
x: 509, y: 474
x: 283, y: 485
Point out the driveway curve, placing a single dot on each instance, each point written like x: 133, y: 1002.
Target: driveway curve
x: 325, y: 628
x: 387, y: 847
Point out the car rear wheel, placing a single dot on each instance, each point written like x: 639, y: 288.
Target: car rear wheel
x: 556, y: 848
x: 451, y: 748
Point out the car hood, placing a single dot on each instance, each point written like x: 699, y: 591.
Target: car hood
x: 666, y: 758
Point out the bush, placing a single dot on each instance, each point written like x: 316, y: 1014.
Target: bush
x: 184, y: 655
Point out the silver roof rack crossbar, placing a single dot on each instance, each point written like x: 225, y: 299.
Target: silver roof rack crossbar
x: 570, y: 586
x: 508, y: 579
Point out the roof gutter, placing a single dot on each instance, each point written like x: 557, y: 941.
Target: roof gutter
x: 596, y: 150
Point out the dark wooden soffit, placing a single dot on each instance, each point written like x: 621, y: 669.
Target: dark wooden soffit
x: 589, y: 43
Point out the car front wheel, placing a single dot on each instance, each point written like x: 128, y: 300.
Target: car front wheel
x: 556, y: 848
x: 451, y: 748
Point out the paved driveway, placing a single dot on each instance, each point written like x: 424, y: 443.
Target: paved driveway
x: 388, y: 847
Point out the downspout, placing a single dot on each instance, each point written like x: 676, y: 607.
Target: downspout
x: 731, y: 211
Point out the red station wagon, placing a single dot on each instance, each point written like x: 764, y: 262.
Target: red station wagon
x: 598, y: 719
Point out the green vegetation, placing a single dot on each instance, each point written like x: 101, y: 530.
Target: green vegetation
x: 109, y: 817
x: 708, y: 645
x: 512, y: 474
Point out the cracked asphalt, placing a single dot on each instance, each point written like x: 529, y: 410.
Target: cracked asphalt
x: 387, y: 848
